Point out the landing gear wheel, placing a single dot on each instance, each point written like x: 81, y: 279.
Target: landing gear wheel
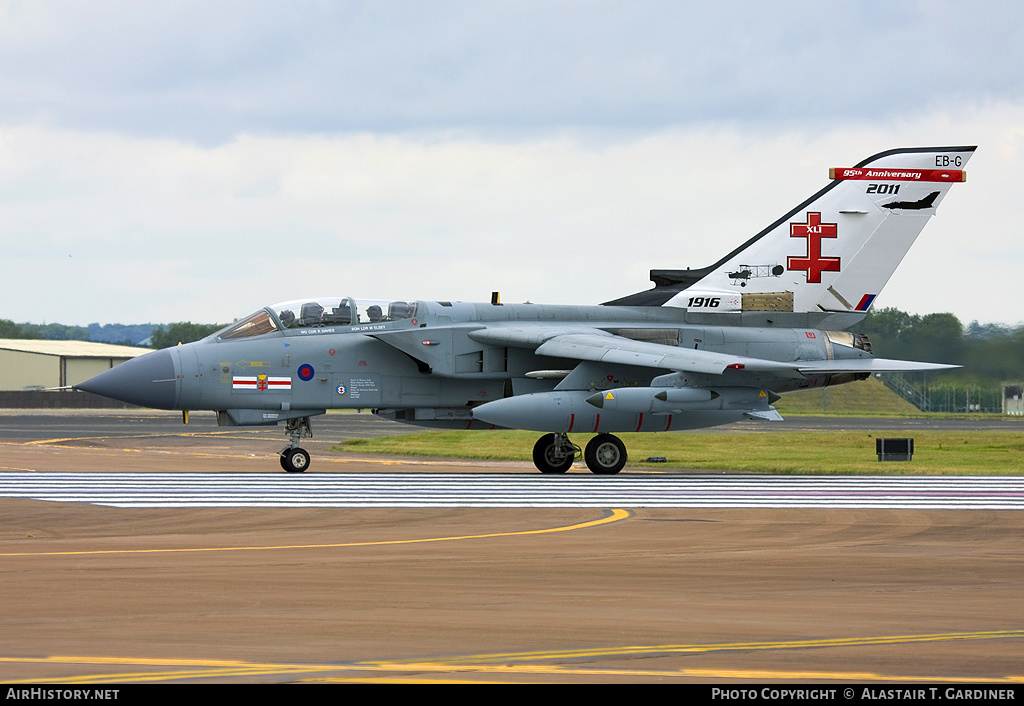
x: 605, y: 454
x: 552, y: 454
x: 295, y: 460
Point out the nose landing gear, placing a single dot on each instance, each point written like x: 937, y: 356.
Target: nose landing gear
x: 293, y: 458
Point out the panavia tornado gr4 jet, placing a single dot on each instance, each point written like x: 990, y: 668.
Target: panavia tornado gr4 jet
x: 703, y: 347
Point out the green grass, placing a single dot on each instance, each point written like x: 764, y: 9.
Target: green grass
x: 865, y: 397
x: 841, y: 452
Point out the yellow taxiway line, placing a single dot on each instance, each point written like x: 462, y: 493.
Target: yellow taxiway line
x: 612, y: 516
x: 468, y: 665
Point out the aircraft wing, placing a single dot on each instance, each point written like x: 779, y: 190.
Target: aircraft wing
x: 602, y: 347
x: 867, y: 365
x: 625, y: 351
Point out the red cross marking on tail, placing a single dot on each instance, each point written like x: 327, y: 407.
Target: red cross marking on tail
x: 813, y: 263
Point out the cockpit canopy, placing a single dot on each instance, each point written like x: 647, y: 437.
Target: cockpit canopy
x: 319, y: 312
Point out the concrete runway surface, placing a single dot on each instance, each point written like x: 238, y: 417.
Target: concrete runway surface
x: 98, y: 594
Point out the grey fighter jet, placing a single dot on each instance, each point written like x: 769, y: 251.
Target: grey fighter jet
x: 694, y: 351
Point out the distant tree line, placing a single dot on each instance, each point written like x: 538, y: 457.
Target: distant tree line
x: 990, y: 354
x: 181, y: 332
x: 151, y: 335
x: 121, y: 334
x: 990, y: 351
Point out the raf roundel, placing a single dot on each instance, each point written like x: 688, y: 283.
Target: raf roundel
x: 306, y: 372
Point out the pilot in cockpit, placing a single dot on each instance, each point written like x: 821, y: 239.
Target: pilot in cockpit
x: 311, y: 314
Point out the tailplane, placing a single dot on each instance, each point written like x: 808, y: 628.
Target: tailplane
x: 832, y: 253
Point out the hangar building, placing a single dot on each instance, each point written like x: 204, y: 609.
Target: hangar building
x: 35, y: 364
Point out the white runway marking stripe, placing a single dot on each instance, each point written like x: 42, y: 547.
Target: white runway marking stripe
x: 515, y: 490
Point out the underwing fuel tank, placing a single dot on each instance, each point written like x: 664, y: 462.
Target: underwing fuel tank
x: 628, y: 409
x: 654, y: 400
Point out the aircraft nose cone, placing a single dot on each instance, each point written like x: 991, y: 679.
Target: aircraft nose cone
x: 146, y: 381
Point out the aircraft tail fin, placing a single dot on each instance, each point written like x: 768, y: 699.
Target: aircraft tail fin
x: 832, y: 253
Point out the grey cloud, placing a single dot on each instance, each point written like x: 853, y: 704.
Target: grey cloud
x: 209, y: 71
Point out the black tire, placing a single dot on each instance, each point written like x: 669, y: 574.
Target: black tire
x: 544, y: 459
x: 605, y: 454
x: 295, y: 460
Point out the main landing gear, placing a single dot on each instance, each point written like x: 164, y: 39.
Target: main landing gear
x: 554, y: 453
x: 293, y: 458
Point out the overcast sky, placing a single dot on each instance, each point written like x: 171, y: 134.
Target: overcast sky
x: 197, y: 160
